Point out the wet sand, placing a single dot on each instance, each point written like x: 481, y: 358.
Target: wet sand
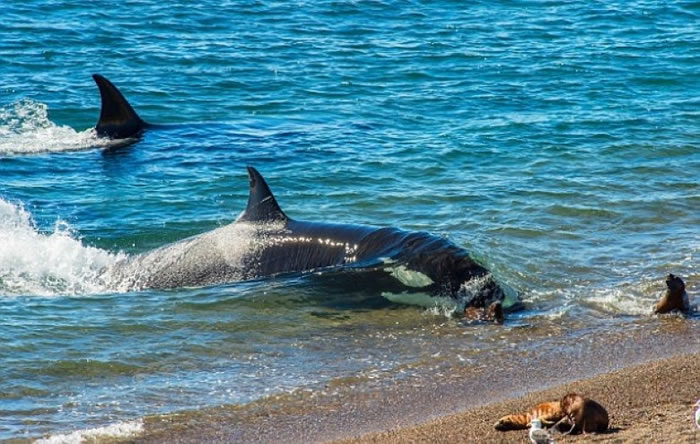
x: 647, y: 377
x: 652, y: 402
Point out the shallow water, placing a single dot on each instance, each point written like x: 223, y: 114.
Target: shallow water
x: 557, y: 142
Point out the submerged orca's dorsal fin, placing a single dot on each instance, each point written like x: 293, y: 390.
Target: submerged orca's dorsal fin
x: 118, y: 120
x: 262, y: 205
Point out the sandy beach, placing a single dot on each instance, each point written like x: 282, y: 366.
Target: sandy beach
x: 653, y: 402
x: 647, y: 378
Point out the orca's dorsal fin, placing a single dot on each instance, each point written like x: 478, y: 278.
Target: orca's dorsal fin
x: 262, y: 205
x: 118, y: 120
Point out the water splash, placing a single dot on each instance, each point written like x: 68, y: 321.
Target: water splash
x: 46, y: 264
x: 118, y: 430
x: 628, y: 298
x: 634, y: 298
x: 25, y: 128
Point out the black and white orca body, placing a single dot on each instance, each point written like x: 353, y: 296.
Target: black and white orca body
x: 265, y: 242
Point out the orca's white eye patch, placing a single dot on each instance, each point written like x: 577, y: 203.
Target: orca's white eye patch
x: 410, y: 278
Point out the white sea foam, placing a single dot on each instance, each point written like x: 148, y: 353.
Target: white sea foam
x: 118, y: 430
x: 25, y: 128
x: 472, y: 288
x: 636, y: 298
x: 632, y: 299
x: 47, y: 264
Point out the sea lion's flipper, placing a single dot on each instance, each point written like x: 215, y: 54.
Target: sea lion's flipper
x: 262, y: 205
x: 118, y: 120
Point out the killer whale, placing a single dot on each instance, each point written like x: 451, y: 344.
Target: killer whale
x: 117, y: 120
x: 264, y: 242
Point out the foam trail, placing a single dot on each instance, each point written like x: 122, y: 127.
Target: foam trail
x: 46, y: 264
x: 635, y: 299
x: 120, y: 430
x: 25, y: 128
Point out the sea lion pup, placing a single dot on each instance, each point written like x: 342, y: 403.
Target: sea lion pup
x: 675, y: 297
x: 549, y: 413
x: 494, y: 313
x: 586, y: 415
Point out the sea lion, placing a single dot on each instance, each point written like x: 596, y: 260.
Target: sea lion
x: 548, y: 413
x: 493, y: 313
x: 586, y: 415
x: 675, y: 297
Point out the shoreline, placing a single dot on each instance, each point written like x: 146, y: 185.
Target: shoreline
x: 642, y: 375
x: 650, y: 402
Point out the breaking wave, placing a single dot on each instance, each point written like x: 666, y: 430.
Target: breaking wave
x: 120, y: 430
x: 630, y: 298
x: 46, y: 263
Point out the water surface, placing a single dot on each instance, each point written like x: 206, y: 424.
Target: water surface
x: 557, y: 142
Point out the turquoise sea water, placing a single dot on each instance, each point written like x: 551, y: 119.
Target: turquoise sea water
x: 557, y: 141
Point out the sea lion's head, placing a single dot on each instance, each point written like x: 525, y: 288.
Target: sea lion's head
x: 675, y: 284
x: 571, y: 402
x: 585, y: 414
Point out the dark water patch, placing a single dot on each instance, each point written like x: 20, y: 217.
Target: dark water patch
x: 582, y: 212
x: 22, y: 392
x: 88, y: 369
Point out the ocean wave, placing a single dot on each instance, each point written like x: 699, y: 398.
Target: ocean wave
x: 46, y: 264
x: 635, y: 298
x: 120, y: 430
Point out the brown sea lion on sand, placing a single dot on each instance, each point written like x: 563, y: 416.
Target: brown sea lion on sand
x: 587, y: 415
x: 493, y: 313
x: 548, y: 413
x: 675, y: 297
